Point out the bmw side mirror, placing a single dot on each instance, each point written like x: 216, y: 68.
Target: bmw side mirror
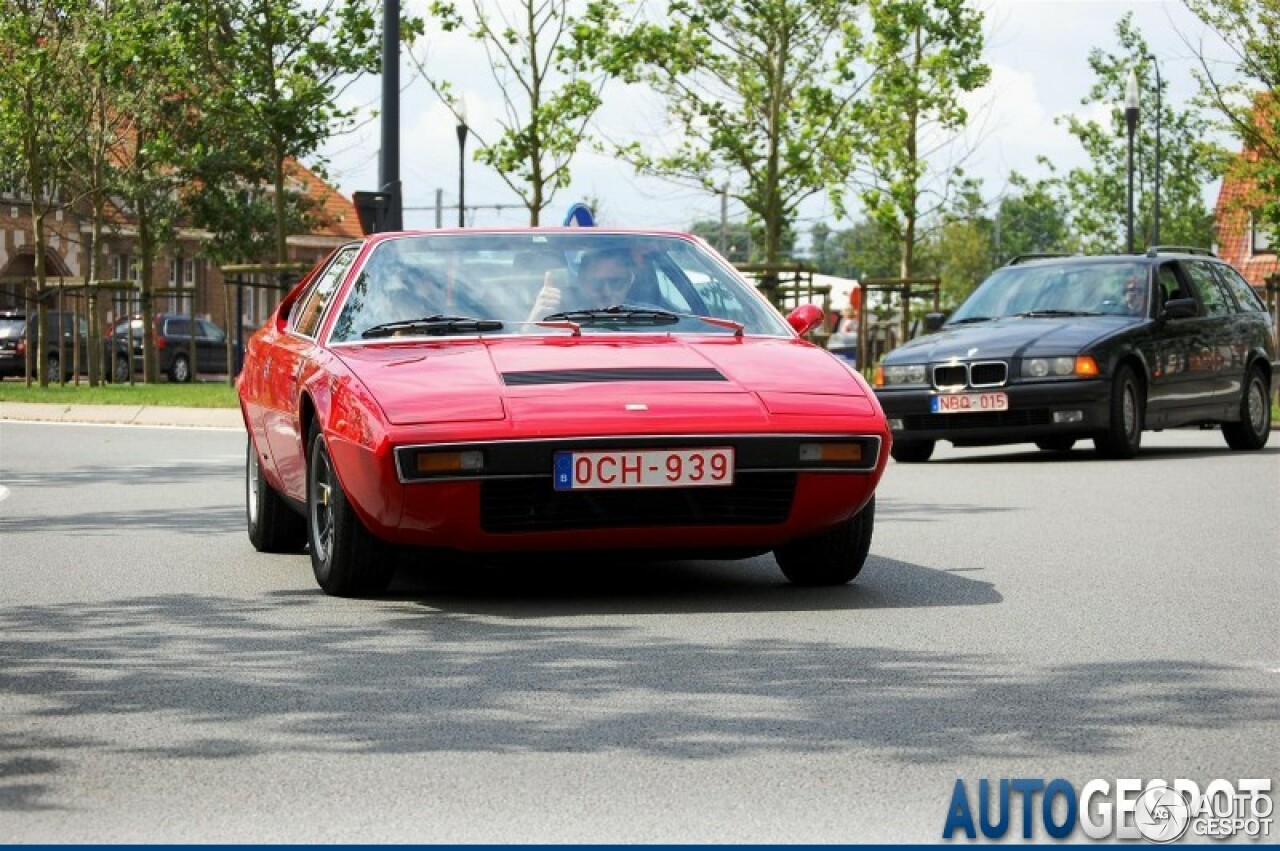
x: 805, y: 318
x: 1179, y: 308
x: 933, y: 322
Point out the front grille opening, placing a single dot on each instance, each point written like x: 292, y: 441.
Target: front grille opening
x: 532, y: 505
x: 991, y: 374
x: 982, y: 419
x: 950, y: 376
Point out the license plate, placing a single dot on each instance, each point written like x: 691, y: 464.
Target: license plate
x: 644, y: 468
x: 969, y: 403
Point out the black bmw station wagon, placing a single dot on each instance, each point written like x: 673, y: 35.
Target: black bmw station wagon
x: 1052, y: 350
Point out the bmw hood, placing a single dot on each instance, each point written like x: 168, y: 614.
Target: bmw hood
x: 1011, y: 337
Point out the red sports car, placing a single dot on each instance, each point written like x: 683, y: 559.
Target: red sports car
x: 552, y: 390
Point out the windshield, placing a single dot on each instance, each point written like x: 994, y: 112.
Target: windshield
x: 1108, y: 287
x: 593, y: 281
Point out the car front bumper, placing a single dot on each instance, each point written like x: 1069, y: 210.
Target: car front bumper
x: 1036, y: 411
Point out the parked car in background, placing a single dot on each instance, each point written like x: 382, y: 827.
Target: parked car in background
x: 174, y: 347
x: 14, y: 340
x: 1054, y: 350
x: 551, y: 390
x: 844, y: 345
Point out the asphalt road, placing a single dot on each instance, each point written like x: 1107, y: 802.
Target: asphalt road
x: 1022, y: 615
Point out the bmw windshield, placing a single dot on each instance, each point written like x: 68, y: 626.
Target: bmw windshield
x: 1069, y: 289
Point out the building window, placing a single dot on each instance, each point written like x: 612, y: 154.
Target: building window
x: 1262, y: 238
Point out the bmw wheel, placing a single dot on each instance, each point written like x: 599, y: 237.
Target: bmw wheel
x: 274, y: 527
x: 347, y: 559
x: 1254, y: 427
x: 832, y: 558
x: 1123, y: 436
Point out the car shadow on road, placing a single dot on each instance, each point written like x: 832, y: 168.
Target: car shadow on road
x: 207, y: 678
x: 607, y: 585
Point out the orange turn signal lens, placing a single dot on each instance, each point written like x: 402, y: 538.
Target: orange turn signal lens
x: 1086, y: 366
x: 879, y: 379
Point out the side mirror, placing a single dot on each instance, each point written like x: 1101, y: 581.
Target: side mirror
x: 1179, y: 308
x: 805, y: 318
x: 933, y: 322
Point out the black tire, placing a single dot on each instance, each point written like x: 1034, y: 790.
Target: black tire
x: 180, y: 369
x: 1123, y: 437
x: 347, y: 559
x: 120, y: 375
x: 832, y: 558
x: 52, y: 369
x: 274, y: 527
x: 912, y: 451
x: 1056, y: 444
x: 1251, y: 433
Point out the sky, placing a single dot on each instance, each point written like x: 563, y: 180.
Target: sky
x: 1037, y: 51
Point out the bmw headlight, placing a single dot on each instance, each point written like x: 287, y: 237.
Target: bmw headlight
x: 1059, y: 367
x: 898, y: 375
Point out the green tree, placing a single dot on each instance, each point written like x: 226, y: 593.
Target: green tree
x: 1031, y: 219
x: 1248, y: 97
x: 1097, y: 194
x: 927, y: 53
x: 962, y: 246
x: 36, y: 118
x: 271, y: 71
x: 759, y: 92
x: 543, y: 59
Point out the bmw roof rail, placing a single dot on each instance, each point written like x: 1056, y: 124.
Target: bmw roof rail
x: 1179, y: 249
x: 1023, y: 258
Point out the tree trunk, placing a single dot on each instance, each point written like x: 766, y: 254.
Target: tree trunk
x: 282, y: 233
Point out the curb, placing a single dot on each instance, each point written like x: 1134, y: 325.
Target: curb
x: 142, y: 415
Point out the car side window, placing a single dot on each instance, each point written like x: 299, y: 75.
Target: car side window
x: 1170, y: 284
x: 1210, y: 292
x: 310, y: 309
x: 1246, y: 296
x: 177, y: 328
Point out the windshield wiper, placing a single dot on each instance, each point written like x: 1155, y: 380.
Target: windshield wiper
x: 618, y: 314
x: 969, y: 319
x: 436, y: 324
x: 1055, y: 312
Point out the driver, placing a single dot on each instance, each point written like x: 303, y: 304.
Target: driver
x: 604, y: 279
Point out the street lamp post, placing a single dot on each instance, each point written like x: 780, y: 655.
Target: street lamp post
x: 1155, y: 226
x: 462, y: 164
x: 1131, y: 120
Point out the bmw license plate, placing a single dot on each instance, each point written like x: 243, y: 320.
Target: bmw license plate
x: 969, y: 403
x: 644, y: 468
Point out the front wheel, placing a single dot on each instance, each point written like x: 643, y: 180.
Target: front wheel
x: 1123, y: 436
x: 347, y: 559
x: 121, y: 373
x: 274, y: 527
x: 1251, y: 433
x: 912, y: 451
x: 832, y: 558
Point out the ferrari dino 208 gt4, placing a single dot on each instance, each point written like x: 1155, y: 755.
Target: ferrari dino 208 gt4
x: 551, y: 390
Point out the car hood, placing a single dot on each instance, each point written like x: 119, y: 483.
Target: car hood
x: 531, y: 378
x: 1011, y: 337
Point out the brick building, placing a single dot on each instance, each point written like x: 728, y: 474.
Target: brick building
x: 181, y: 266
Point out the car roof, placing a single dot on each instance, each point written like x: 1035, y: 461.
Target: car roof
x: 1151, y: 254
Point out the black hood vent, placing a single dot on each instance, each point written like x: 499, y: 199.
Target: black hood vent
x: 601, y: 376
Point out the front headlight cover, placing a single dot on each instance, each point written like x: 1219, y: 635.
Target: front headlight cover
x: 1059, y: 366
x: 899, y: 375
